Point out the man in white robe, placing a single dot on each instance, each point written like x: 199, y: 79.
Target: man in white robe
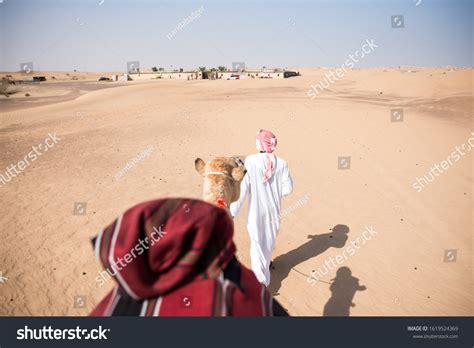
x: 266, y: 182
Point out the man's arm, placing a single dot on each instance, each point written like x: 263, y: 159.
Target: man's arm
x: 244, y: 188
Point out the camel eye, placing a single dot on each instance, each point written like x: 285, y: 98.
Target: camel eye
x: 238, y: 161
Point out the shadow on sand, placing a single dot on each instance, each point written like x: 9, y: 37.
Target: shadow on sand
x: 343, y: 290
x: 317, y: 244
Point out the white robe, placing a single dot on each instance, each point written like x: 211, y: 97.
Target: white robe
x: 264, y: 207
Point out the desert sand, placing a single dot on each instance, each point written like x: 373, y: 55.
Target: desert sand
x: 46, y: 253
x: 60, y: 86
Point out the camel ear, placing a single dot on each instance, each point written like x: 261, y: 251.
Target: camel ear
x: 199, y: 164
x: 238, y: 173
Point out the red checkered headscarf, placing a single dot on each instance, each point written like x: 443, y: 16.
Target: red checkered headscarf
x: 267, y: 142
x: 172, y: 257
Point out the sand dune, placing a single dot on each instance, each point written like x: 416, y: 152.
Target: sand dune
x: 59, y: 87
x: 46, y: 252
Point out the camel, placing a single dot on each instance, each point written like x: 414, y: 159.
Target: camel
x: 222, y: 178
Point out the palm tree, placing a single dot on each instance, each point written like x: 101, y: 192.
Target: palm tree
x: 222, y: 68
x: 202, y: 68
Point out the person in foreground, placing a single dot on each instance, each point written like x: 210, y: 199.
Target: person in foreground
x: 268, y: 179
x: 176, y: 257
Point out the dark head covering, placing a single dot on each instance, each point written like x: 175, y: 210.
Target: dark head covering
x: 169, y: 257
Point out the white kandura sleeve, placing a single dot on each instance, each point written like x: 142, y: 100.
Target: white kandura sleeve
x: 244, y: 188
x: 287, y: 182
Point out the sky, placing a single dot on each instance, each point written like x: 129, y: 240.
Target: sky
x: 103, y: 35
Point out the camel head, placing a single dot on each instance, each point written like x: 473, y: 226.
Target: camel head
x: 222, y: 178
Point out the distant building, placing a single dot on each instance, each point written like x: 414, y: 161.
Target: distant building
x: 214, y: 74
x: 181, y: 75
x: 259, y: 74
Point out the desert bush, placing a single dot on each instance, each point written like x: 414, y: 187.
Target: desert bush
x: 3, y: 86
x: 8, y: 87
